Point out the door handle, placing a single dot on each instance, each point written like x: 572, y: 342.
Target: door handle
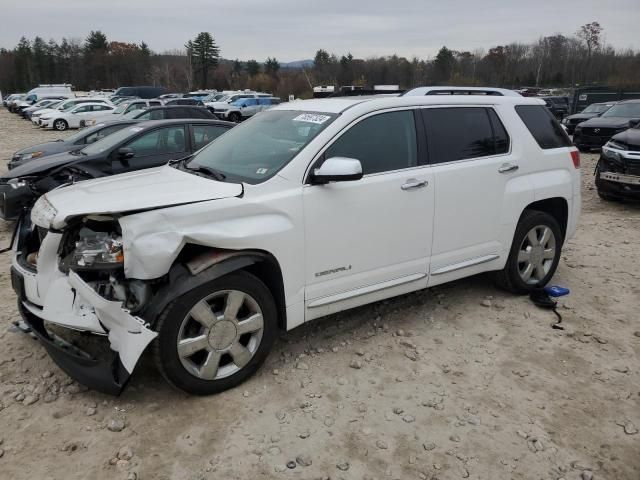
x: 508, y: 167
x: 413, y: 183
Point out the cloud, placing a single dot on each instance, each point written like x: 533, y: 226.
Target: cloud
x: 295, y: 29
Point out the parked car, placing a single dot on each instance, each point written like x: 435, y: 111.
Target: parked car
x: 75, y: 117
x: 135, y: 147
x: 593, y: 110
x: 595, y: 132
x: 310, y: 208
x: 45, y: 103
x: 617, y: 175
x: 20, y: 106
x: 584, y: 96
x: 75, y: 142
x: 122, y: 110
x: 173, y: 111
x: 15, y: 99
x: 224, y: 102
x: 185, y: 101
x: 558, y: 106
x: 245, y: 108
x: 65, y: 106
x: 141, y: 92
x: 9, y: 98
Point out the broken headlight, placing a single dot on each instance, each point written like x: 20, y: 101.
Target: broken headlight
x: 95, y: 250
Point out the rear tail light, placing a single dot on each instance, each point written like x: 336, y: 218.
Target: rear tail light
x: 575, y: 156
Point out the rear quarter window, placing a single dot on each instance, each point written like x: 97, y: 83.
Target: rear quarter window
x: 543, y: 126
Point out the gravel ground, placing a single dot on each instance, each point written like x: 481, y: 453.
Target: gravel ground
x: 459, y: 381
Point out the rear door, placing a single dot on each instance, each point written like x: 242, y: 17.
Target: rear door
x: 472, y: 162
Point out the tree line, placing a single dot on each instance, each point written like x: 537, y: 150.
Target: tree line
x: 557, y: 60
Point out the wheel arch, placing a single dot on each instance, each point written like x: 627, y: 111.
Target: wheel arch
x: 557, y: 207
x: 197, y: 265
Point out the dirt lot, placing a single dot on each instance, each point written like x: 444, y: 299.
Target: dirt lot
x: 460, y: 381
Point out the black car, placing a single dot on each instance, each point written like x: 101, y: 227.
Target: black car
x: 74, y: 142
x: 142, y: 92
x: 143, y: 145
x: 594, y: 133
x: 559, y: 106
x: 185, y: 101
x: 174, y: 111
x: 618, y: 170
x: 592, y: 111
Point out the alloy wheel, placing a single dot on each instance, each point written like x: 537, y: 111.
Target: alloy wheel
x: 536, y: 254
x: 220, y: 334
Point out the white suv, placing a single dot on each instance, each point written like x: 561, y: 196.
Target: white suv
x: 307, y: 209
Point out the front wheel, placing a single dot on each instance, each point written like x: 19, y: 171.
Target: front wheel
x: 234, y: 117
x: 534, y: 255
x: 216, y: 336
x: 60, y: 125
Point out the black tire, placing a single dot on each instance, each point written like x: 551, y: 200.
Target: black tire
x: 60, y: 125
x: 234, y: 117
x: 169, y: 323
x: 509, y: 278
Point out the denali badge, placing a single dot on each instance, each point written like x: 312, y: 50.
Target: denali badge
x: 596, y: 130
x: 333, y: 270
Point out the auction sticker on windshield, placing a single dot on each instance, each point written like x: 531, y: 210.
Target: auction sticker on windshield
x: 312, y: 118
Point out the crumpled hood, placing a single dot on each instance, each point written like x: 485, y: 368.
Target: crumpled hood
x: 146, y: 189
x: 41, y: 165
x: 631, y: 137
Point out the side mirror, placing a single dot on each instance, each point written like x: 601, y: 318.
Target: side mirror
x: 633, y: 123
x: 337, y: 169
x: 125, y: 153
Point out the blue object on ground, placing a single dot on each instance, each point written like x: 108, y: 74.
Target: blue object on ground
x: 556, y: 291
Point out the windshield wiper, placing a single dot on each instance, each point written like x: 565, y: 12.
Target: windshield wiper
x: 212, y: 172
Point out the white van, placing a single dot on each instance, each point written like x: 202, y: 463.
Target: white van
x: 49, y: 90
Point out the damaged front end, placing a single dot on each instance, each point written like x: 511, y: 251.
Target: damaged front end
x: 74, y: 281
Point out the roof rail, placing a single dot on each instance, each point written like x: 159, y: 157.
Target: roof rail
x: 420, y: 91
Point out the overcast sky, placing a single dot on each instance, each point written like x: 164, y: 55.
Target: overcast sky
x: 295, y: 29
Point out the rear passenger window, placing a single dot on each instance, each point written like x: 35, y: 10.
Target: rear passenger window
x: 500, y: 134
x: 462, y: 133
x: 382, y: 143
x: 543, y: 126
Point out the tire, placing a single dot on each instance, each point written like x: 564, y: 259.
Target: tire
x: 60, y: 125
x: 192, y: 369
x: 512, y: 277
x: 234, y: 117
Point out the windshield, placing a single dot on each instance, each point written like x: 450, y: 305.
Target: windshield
x: 121, y: 108
x: 626, y: 110
x: 110, y: 141
x: 258, y: 148
x: 595, y: 108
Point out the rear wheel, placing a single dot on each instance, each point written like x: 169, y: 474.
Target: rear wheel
x: 534, y: 255
x: 216, y: 336
x: 60, y: 125
x: 234, y: 117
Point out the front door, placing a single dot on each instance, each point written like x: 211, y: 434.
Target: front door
x: 369, y: 239
x: 152, y: 149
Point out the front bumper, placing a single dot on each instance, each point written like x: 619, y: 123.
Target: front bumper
x: 48, y: 296
x: 619, y: 172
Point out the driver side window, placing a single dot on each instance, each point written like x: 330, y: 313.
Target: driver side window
x: 383, y: 142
